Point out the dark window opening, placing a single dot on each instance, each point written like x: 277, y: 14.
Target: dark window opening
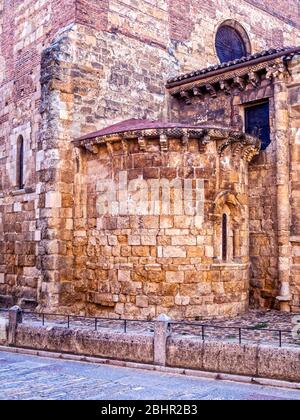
x: 77, y: 165
x: 229, y: 44
x: 224, y: 237
x: 20, y: 163
x: 235, y: 244
x: 257, y: 121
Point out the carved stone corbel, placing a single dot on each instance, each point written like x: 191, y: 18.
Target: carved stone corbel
x: 142, y: 144
x: 211, y: 90
x: 185, y: 139
x: 185, y: 95
x: 164, y: 146
x: 125, y: 146
x: 197, y: 91
x: 276, y: 71
x: 240, y: 83
x: 109, y: 148
x: 92, y: 148
x: 224, y: 85
x: 254, y: 79
x: 205, y: 138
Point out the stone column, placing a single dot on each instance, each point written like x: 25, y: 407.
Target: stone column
x: 294, y: 126
x: 283, y: 191
x: 15, y: 318
x: 161, y: 334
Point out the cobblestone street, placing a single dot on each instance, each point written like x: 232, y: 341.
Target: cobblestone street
x: 25, y: 377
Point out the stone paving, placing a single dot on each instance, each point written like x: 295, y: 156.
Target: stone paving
x: 25, y: 377
x: 258, y: 326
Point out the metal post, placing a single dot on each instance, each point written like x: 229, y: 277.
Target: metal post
x: 203, y: 333
x: 280, y: 338
x: 240, y: 336
x: 96, y: 324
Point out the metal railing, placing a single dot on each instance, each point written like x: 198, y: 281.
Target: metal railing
x: 197, y: 329
x: 203, y: 332
x: 93, y: 322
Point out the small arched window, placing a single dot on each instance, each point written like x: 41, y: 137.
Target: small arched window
x: 224, y: 237
x: 232, y: 42
x: 20, y: 163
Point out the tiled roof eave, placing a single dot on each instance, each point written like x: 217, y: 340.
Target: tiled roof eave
x: 222, y: 70
x: 196, y: 132
x: 206, y: 134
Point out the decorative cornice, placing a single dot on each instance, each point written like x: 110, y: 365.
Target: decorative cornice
x: 228, y: 81
x: 142, y: 135
x: 252, y: 60
x: 276, y: 71
x: 243, y: 145
x: 248, y: 144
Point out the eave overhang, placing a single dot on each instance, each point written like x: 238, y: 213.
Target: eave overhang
x: 165, y: 131
x: 230, y: 75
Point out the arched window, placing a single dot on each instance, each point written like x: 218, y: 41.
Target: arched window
x: 232, y: 42
x: 20, y: 163
x: 224, y: 237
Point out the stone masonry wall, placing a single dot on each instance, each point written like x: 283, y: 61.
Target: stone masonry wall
x: 193, y: 27
x: 228, y: 110
x: 134, y: 50
x: 86, y: 84
x: 98, y: 88
x: 290, y: 14
x: 139, y: 266
x: 273, y: 183
x: 26, y: 28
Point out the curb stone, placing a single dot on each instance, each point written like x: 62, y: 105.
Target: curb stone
x: 168, y: 370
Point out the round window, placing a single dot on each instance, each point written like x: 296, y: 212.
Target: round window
x: 230, y: 44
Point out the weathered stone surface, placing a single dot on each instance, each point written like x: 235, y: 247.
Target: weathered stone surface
x: 129, y: 347
x: 58, y: 81
x: 247, y: 360
x: 170, y: 262
x: 3, y: 331
x: 280, y: 364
